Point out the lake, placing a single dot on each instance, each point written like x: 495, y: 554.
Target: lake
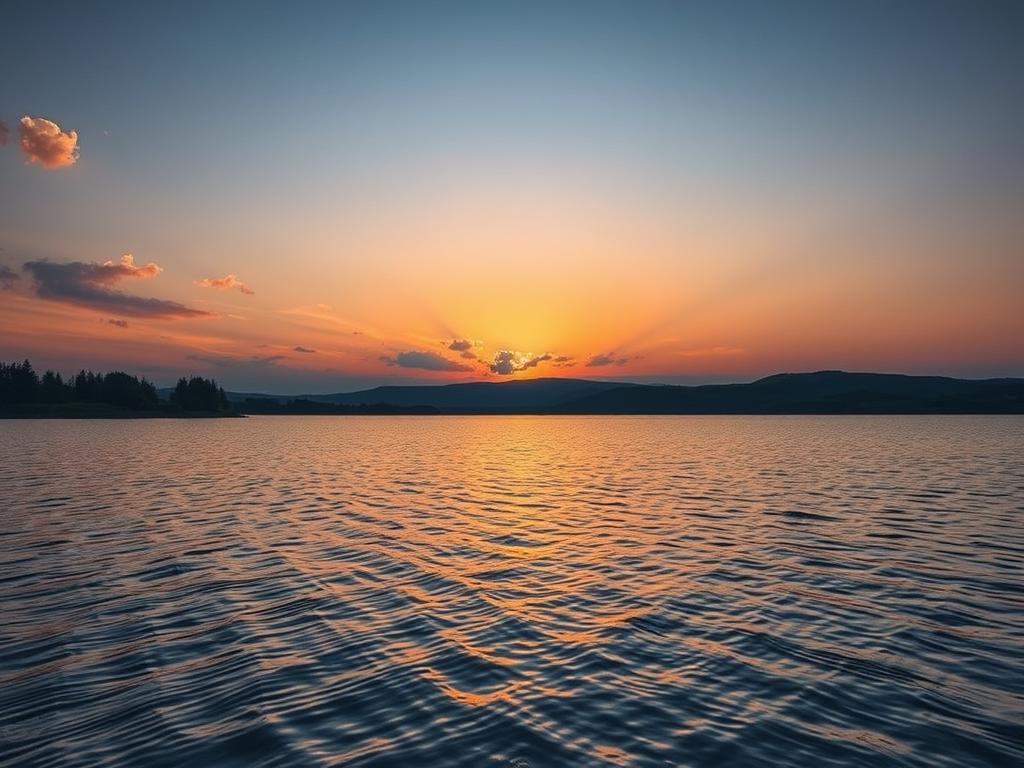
x: 513, y: 591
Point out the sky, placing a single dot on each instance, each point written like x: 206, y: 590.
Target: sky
x: 320, y: 197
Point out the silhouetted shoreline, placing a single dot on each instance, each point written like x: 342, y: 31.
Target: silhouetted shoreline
x: 820, y: 393
x: 23, y: 394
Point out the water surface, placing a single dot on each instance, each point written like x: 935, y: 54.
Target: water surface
x: 513, y: 591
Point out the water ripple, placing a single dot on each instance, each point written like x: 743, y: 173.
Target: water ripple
x: 535, y: 591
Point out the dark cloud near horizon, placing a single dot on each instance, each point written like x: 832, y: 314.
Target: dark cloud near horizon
x: 86, y: 284
x: 506, y: 362
x: 563, y: 361
x: 304, y: 349
x: 607, y: 358
x: 8, y: 277
x: 464, y: 347
x: 427, y: 361
x: 533, y: 362
x: 119, y: 323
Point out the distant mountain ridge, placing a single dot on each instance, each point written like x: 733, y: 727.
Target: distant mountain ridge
x: 825, y: 392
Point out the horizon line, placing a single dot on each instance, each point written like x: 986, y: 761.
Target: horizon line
x: 627, y: 382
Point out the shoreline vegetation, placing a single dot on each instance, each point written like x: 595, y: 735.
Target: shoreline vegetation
x: 25, y: 394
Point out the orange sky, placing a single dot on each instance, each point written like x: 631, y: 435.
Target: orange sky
x: 619, y: 293
x: 618, y: 195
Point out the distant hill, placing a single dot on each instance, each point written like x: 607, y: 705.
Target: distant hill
x: 825, y: 392
x: 822, y: 392
x: 507, y: 396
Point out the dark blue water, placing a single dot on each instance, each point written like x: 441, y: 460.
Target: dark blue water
x: 549, y: 591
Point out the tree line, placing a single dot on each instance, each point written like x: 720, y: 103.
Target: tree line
x: 20, y: 385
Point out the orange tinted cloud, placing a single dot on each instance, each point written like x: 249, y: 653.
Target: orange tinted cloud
x: 464, y: 347
x: 45, y: 143
x: 88, y: 285
x: 606, y: 358
x: 225, y: 283
x: 506, y: 362
x: 112, y: 272
x: 427, y: 361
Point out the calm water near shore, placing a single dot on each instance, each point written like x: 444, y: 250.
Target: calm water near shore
x: 513, y: 591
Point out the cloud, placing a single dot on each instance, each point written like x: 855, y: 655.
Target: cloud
x: 608, y: 358
x: 533, y: 362
x: 8, y: 277
x: 119, y: 323
x: 464, y: 347
x: 88, y: 285
x: 303, y: 349
x: 506, y: 362
x: 563, y: 361
x: 428, y: 361
x: 4, y: 133
x: 45, y: 143
x: 225, y: 283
